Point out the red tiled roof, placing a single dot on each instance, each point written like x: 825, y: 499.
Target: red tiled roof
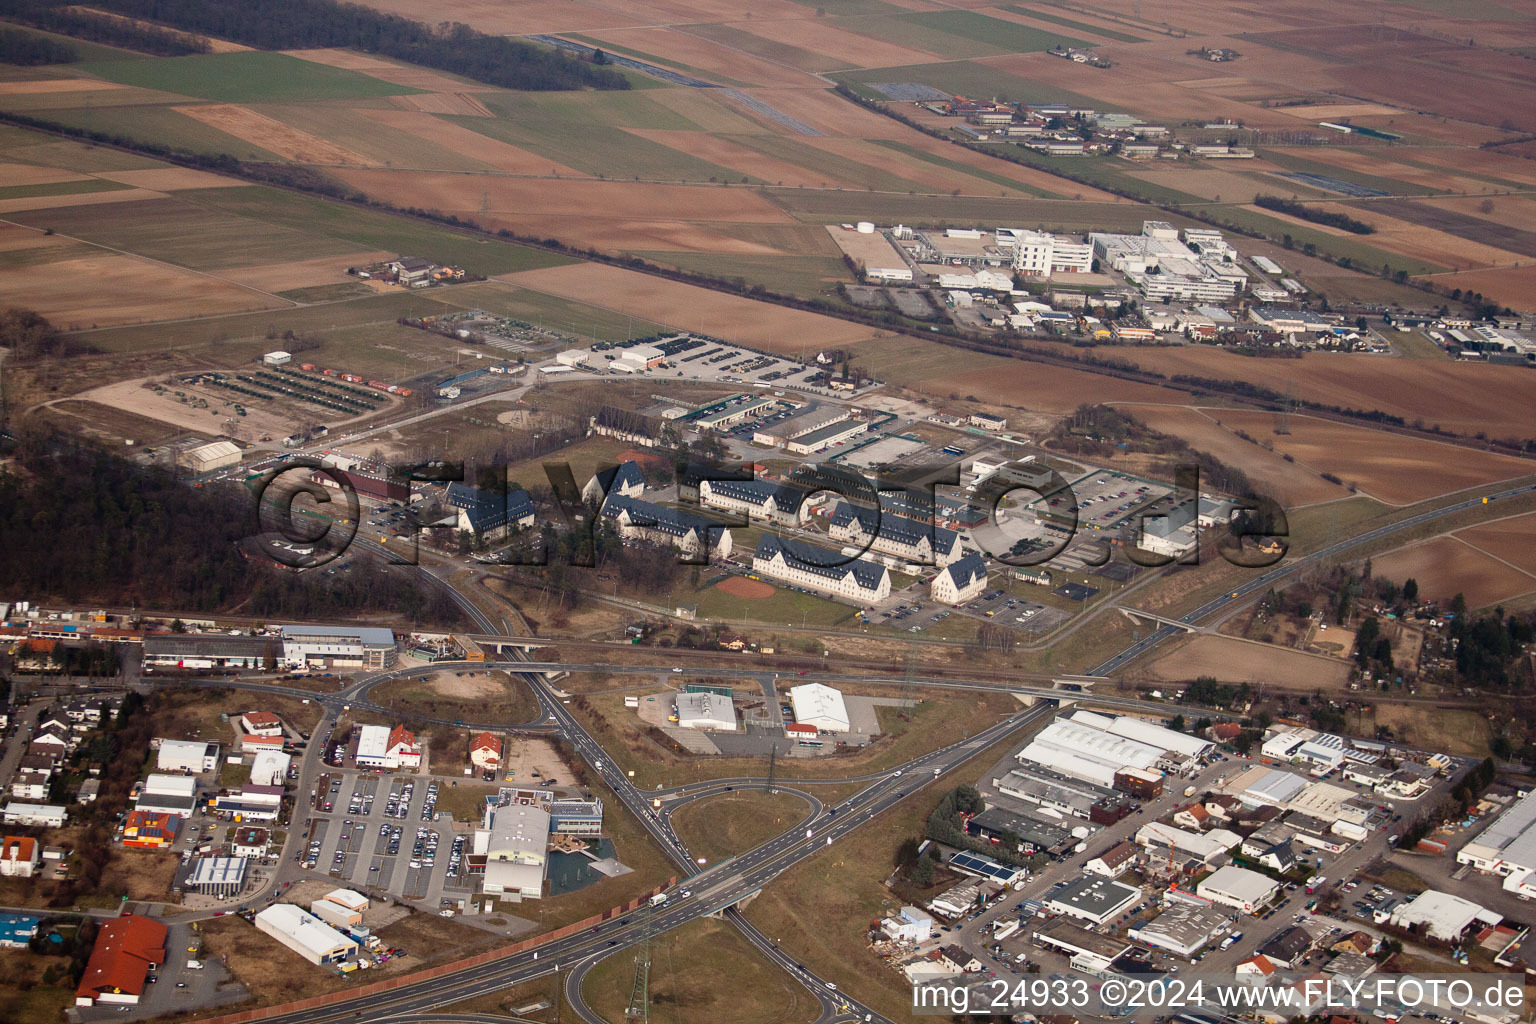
x: 120, y: 960
x: 400, y: 734
x: 262, y: 718
x: 485, y: 741
x: 20, y: 847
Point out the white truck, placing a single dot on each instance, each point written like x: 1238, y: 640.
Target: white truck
x: 659, y: 899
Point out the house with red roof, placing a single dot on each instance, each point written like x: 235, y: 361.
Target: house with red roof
x: 150, y: 830
x: 261, y: 723
x: 485, y: 752
x: 18, y: 856
x: 127, y: 949
x: 403, y: 748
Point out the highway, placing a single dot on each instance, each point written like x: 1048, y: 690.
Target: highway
x: 1274, y: 575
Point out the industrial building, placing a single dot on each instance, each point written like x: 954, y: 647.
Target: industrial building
x: 208, y: 652
x: 127, y: 948
x: 1054, y: 792
x: 269, y: 767
x: 341, y: 908
x: 961, y: 580
x: 1090, y: 754
x: 825, y: 437
x: 1091, y: 899
x: 706, y: 711
x: 250, y: 803
x: 1203, y: 847
x: 1183, y: 929
x: 277, y: 358
x: 189, y: 756
x: 1028, y: 834
x: 1180, y: 750
x: 819, y: 705
x: 217, y: 876
x: 514, y: 840
x: 1041, y: 254
x: 801, y: 425
x: 909, y: 925
x: 1508, y: 846
x: 305, y: 934
x: 1164, y: 268
x: 1087, y: 951
x: 827, y: 572
x: 1443, y: 916
x: 379, y: 746
x: 167, y: 794
x: 1272, y: 788
x: 1238, y: 888
x: 206, y: 458
x: 908, y: 539
x: 368, y: 647
x: 19, y: 812
x: 979, y: 865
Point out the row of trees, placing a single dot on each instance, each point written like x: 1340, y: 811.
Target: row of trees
x: 28, y: 334
x: 1291, y: 208
x: 456, y: 48
x: 29, y: 50
x: 82, y: 23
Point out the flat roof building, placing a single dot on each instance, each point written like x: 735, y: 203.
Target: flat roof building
x: 1083, y: 752
x: 1092, y: 899
x: 706, y: 711
x: 1089, y: 951
x: 1238, y: 888
x: 819, y: 705
x: 189, y: 756
x: 1508, y: 845
x: 1442, y: 915
x: 370, y: 647
x: 217, y: 876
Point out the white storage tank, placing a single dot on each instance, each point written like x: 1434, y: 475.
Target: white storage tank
x: 866, y: 227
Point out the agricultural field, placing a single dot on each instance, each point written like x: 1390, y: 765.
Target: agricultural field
x: 1449, y: 565
x: 1232, y: 660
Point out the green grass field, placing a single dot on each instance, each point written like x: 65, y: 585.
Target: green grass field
x: 328, y: 292
x: 731, y: 824
x: 61, y: 188
x: 1293, y: 162
x: 795, y: 275
x: 552, y: 311
x: 787, y: 606
x: 1076, y: 26
x: 969, y: 78
x: 957, y: 35
x: 253, y: 327
x: 367, y: 229
x: 159, y: 125
x: 251, y: 76
x: 838, y: 169
x: 183, y: 232
x: 769, y: 49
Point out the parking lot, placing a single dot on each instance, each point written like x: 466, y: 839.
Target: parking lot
x: 1107, y: 498
x: 379, y: 832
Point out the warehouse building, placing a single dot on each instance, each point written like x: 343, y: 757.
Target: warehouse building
x: 514, y: 840
x: 1090, y: 754
x: 168, y: 794
x: 369, y: 647
x: 127, y: 948
x: 819, y: 705
x: 1440, y: 915
x: 269, y: 767
x: 19, y: 812
x: 826, y: 572
x: 206, y: 458
x: 1238, y: 888
x: 208, y: 652
x: 379, y: 746
x: 1508, y: 846
x: 1027, y: 835
x: 1204, y: 847
x: 908, y: 539
x: 1165, y: 269
x: 706, y: 711
x: 1052, y: 791
x: 305, y: 934
x: 801, y: 425
x: 1184, y: 928
x: 341, y: 908
x: 822, y: 438
x: 1272, y: 788
x: 1091, y: 899
x: 217, y: 876
x: 191, y: 757
x: 1180, y: 750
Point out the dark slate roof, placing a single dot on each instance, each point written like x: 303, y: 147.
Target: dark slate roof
x: 1288, y: 945
x: 621, y: 477
x: 895, y: 528
x: 821, y: 561
x: 671, y: 521
x: 967, y: 570
x: 757, y: 492
x: 488, y: 510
